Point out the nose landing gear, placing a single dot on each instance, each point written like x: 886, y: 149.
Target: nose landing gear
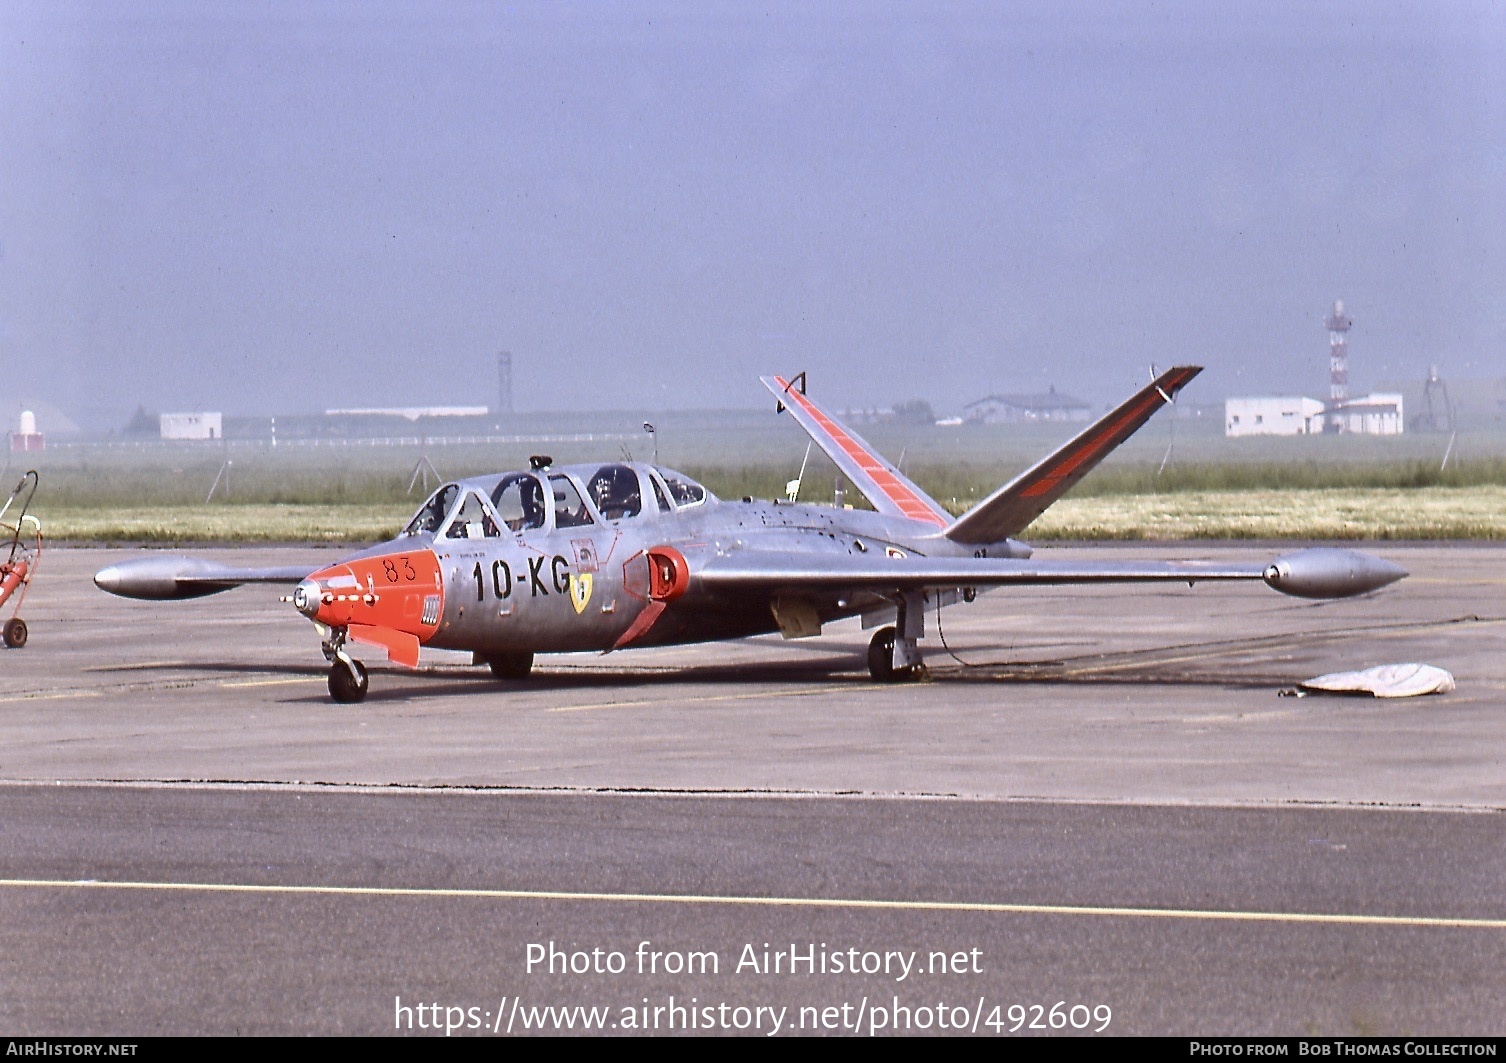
x: 348, y: 683
x: 348, y: 680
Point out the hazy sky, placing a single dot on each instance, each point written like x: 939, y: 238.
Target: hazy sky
x: 263, y: 207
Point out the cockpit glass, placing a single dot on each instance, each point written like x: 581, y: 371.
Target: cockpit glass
x: 472, y: 520
x: 614, y: 489
x: 569, y: 508
x: 432, y: 515
x: 659, y: 497
x: 684, y: 490
x: 519, y: 499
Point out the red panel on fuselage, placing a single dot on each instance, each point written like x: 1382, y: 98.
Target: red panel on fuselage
x: 401, y: 591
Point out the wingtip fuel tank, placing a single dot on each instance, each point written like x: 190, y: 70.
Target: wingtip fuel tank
x: 161, y: 578
x: 1326, y: 572
x: 173, y: 577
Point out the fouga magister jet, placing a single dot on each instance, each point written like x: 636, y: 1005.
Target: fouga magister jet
x: 622, y: 554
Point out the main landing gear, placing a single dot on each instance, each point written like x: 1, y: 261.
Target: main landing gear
x: 511, y: 665
x: 894, y: 654
x: 348, y: 681
x: 881, y: 660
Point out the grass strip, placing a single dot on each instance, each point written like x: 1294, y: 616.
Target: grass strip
x: 1332, y: 513
x: 1375, y: 514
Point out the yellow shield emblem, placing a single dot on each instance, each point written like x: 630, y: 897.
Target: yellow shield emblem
x: 580, y: 590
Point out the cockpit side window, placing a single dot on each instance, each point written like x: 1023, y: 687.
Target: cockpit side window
x: 684, y: 490
x: 569, y: 508
x: 432, y: 515
x: 660, y: 497
x: 472, y: 520
x: 519, y: 499
x: 614, y: 489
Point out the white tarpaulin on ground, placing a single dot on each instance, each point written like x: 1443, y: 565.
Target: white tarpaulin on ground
x: 1385, y: 681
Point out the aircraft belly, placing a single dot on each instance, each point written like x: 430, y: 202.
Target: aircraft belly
x: 685, y: 624
x: 733, y: 616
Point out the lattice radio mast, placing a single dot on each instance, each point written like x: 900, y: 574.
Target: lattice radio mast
x: 1339, y: 325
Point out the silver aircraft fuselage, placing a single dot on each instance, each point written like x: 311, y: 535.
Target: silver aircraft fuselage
x: 619, y: 554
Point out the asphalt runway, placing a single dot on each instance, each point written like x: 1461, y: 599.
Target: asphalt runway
x: 1100, y: 790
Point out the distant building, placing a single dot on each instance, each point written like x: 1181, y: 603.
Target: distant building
x: 1373, y: 415
x: 1285, y: 415
x: 191, y: 426
x: 28, y: 438
x: 871, y: 415
x: 411, y: 413
x: 1015, y: 409
x: 1291, y: 415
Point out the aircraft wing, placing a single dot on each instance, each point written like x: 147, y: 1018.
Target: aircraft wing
x: 166, y: 577
x: 1010, y: 509
x: 889, y: 490
x: 1313, y: 573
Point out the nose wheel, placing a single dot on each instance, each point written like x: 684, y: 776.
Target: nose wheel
x: 348, y: 681
x: 15, y: 633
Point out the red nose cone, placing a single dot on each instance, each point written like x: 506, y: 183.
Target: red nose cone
x: 400, y: 591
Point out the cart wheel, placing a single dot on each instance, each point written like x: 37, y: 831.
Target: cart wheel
x: 15, y: 633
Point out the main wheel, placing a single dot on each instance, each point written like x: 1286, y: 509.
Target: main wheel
x: 511, y: 665
x: 346, y: 688
x: 15, y: 633
x: 881, y: 658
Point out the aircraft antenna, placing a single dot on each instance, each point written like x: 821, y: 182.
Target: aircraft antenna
x: 796, y: 382
x: 792, y: 489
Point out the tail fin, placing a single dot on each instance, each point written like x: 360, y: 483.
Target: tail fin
x: 1010, y: 509
x: 881, y: 483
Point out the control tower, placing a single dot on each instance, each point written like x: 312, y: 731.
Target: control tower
x: 1339, y: 325
x: 504, y: 382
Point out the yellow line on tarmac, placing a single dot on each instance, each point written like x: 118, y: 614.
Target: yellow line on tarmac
x: 139, y: 666
x: 1329, y: 918
x: 749, y: 696
x: 1148, y: 658
x: 270, y: 682
x: 1472, y: 580
x: 61, y: 695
